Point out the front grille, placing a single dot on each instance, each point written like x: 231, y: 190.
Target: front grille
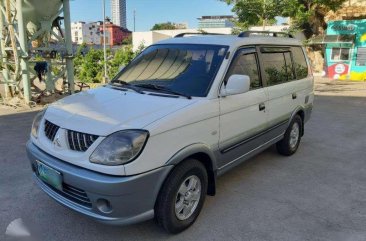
x: 73, y: 194
x: 50, y: 130
x: 80, y: 141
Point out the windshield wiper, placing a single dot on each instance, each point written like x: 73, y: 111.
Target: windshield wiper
x: 162, y: 89
x: 126, y: 85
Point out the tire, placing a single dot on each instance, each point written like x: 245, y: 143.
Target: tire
x: 189, y: 172
x: 288, y: 145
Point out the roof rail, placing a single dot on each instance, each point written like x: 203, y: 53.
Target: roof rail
x: 269, y: 33
x: 198, y: 33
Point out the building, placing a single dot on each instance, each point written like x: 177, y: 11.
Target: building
x: 118, y: 8
x: 222, y: 21
x: 92, y: 33
x: 345, y: 50
x: 88, y: 33
x: 114, y: 34
x: 180, y: 25
x: 344, y: 43
x: 150, y: 37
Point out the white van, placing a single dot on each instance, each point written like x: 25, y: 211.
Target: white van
x: 152, y: 142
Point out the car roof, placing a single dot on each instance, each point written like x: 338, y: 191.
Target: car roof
x: 231, y: 40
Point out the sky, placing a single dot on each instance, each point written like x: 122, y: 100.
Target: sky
x: 149, y: 12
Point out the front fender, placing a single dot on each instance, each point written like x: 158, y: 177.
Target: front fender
x: 190, y: 150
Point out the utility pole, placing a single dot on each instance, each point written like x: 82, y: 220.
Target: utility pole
x: 134, y: 20
x: 68, y: 42
x: 105, y: 79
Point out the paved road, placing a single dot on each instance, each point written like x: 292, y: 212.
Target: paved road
x: 317, y: 194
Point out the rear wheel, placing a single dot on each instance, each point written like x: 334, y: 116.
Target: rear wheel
x: 291, y: 141
x: 182, y: 196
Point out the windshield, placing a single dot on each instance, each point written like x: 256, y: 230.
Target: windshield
x: 187, y: 69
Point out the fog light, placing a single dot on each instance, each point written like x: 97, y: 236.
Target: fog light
x: 34, y: 168
x: 104, y: 205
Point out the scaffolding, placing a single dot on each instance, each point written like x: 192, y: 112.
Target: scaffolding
x: 33, y: 45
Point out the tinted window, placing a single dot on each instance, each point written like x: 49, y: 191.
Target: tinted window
x: 340, y: 54
x: 289, y: 66
x: 187, y: 69
x: 275, y: 69
x: 300, y: 64
x: 246, y: 64
x: 283, y: 64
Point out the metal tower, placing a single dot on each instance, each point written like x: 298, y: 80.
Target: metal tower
x: 33, y: 44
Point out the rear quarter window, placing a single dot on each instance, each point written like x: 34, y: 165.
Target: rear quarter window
x: 300, y: 64
x: 277, y: 64
x: 283, y: 64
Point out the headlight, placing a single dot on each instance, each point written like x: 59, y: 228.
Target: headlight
x: 120, y: 148
x: 36, y: 123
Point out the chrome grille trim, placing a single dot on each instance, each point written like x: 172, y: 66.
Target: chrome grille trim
x: 50, y: 130
x: 77, y: 194
x: 80, y: 141
x: 73, y: 194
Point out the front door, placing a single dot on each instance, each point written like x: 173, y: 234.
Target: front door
x: 243, y: 116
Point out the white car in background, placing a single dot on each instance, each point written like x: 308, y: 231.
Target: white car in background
x: 152, y: 142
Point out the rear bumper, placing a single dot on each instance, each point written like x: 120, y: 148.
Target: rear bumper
x: 108, y: 199
x: 308, y: 110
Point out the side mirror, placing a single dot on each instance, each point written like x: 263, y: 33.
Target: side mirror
x: 236, y: 84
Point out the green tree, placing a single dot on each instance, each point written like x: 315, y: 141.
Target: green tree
x: 79, y: 58
x: 255, y: 12
x: 308, y: 15
x: 127, y: 40
x: 89, y: 63
x: 91, y: 68
x: 120, y: 59
x: 163, y: 26
x: 239, y: 27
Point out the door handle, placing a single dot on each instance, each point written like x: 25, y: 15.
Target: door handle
x: 294, y: 96
x: 262, y: 106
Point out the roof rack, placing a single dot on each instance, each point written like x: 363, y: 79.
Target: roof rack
x: 268, y: 33
x: 198, y: 33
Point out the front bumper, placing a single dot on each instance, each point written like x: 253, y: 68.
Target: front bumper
x: 108, y: 199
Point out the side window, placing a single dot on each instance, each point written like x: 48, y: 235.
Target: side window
x: 340, y: 54
x: 275, y: 69
x: 283, y: 64
x: 289, y: 66
x: 300, y: 64
x: 245, y: 63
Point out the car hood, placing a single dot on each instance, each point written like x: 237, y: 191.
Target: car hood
x: 105, y: 110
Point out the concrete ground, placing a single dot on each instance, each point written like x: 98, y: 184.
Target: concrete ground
x: 317, y: 194
x: 330, y: 87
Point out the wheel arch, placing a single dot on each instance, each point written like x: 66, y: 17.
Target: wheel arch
x: 301, y: 112
x: 203, y: 154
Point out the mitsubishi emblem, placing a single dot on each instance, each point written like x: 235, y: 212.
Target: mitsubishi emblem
x: 56, y: 141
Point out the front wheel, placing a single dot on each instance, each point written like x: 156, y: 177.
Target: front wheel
x: 182, y: 196
x: 291, y: 141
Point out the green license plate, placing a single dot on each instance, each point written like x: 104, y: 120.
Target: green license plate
x: 49, y: 175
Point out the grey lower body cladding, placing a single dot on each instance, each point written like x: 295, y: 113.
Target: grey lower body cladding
x: 240, y: 151
x: 109, y: 199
